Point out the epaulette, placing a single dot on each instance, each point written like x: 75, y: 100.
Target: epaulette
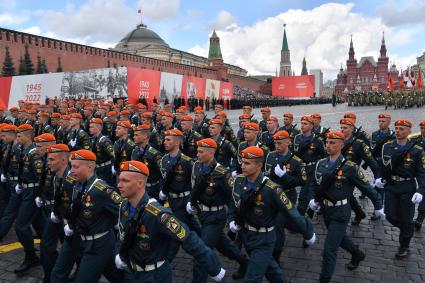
x: 418, y: 147
x: 32, y: 152
x: 271, y: 185
x: 350, y: 163
x: 130, y: 142
x: 152, y: 209
x: 100, y: 186
x: 220, y: 169
x: 360, y: 140
x: 70, y: 179
x: 185, y: 157
x: 153, y: 150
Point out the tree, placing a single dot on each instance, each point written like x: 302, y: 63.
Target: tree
x: 39, y: 65
x: 21, y: 67
x: 29, y: 66
x: 43, y: 63
x: 8, y: 66
x: 59, y: 68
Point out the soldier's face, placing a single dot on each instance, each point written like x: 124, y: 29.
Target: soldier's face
x: 346, y: 130
x: 171, y: 143
x: 205, y: 155
x: 271, y: 125
x: 402, y: 132
x: 384, y: 123
x: 198, y: 117
x: 250, y: 135
x: 265, y: 115
x: 281, y: 145
x: 214, y: 129
x: 140, y: 137
x: 287, y: 121
x: 251, y: 167
x: 119, y: 131
x: 82, y: 170
x: 130, y: 184
x: 334, y: 146
x: 8, y: 137
x: 306, y: 126
x: 57, y: 161
x: 94, y: 129
x: 166, y: 121
x: 186, y: 125
x: 74, y: 122
x: 247, y: 111
x: 146, y: 121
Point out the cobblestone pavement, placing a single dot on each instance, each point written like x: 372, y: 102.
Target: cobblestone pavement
x: 379, y: 239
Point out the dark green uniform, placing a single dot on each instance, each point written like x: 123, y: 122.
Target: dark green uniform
x: 105, y: 157
x: 81, y: 137
x: 228, y: 134
x: 226, y: 153
x: 202, y: 128
x: 122, y: 151
x: 189, y: 143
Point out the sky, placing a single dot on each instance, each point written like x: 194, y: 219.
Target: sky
x: 250, y: 32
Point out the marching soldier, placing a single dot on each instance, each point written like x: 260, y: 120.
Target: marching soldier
x: 334, y: 179
x: 227, y: 131
x: 265, y: 114
x: 43, y: 125
x: 147, y: 119
x: 267, y: 136
x: 243, y: 119
x: 123, y: 146
x: 421, y: 208
x: 292, y: 130
x: 166, y: 124
x: 317, y: 119
x: 404, y: 173
x: 191, y: 137
x: 226, y: 153
x: 63, y: 130
x: 110, y: 125
x: 211, y: 193
x: 55, y: 123
x: 94, y: 213
x: 145, y: 230
x: 77, y: 138
x: 103, y: 148
x: 361, y: 133
x: 257, y: 202
x: 201, y: 122
x: 150, y: 156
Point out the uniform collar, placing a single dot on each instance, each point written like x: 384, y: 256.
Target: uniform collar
x: 256, y: 183
x: 337, y: 161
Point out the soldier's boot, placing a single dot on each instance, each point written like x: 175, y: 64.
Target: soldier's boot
x: 30, y: 260
x: 240, y: 273
x: 356, y: 257
x: 360, y: 215
x: 324, y: 280
x: 419, y: 220
x: 403, y: 250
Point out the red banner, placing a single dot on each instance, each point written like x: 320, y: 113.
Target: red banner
x: 293, y: 87
x: 5, y: 84
x: 143, y: 83
x: 226, y: 90
x: 193, y: 86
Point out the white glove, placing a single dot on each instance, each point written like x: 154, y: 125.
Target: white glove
x: 3, y: 178
x: 18, y: 189
x: 189, y: 208
x: 54, y: 218
x: 417, y: 198
x: 39, y: 202
x: 233, y: 227
x: 280, y: 171
x: 119, y: 263
x: 68, y: 231
x: 162, y: 196
x: 379, y: 212
x: 379, y: 183
x: 312, y: 240
x: 113, y: 171
x: 219, y: 276
x: 313, y: 205
x: 234, y: 174
x: 73, y: 142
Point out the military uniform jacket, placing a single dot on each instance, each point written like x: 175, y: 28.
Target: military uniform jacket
x: 181, y: 176
x: 263, y: 126
x: 103, y: 148
x: 268, y: 203
x: 152, y: 158
x: 33, y: 165
x: 292, y: 131
x: 9, y: 164
x: 226, y: 153
x: 363, y: 135
x: 421, y: 142
x: 412, y: 167
x: 359, y: 151
x: 347, y: 178
x: 267, y: 140
x: 100, y: 206
x: 219, y: 183
x: 62, y: 135
x: 376, y: 138
x: 189, y: 143
x: 313, y: 152
x: 109, y: 128
x: 44, y: 128
x: 122, y: 150
x: 82, y: 138
x: 229, y: 135
x: 202, y: 128
x: 295, y: 175
x: 46, y: 182
x: 63, y: 188
x: 244, y: 145
x: 240, y: 135
x: 154, y: 139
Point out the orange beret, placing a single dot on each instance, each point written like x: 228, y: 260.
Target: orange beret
x: 76, y: 116
x: 221, y: 114
x: 45, y: 114
x: 316, y: 116
x: 124, y: 124
x: 14, y: 109
x: 247, y: 107
x: 160, y: 112
x: 71, y: 109
x: 46, y: 137
x: 141, y: 106
x: 200, y: 111
x: 384, y: 116
x: 180, y: 111
x: 111, y: 114
x: 147, y: 115
x: 134, y: 166
x: 219, y: 106
x: 347, y: 121
x: 8, y: 128
x: 244, y: 116
x: 197, y: 108
x: 65, y: 117
x: 32, y: 111
x: 403, y: 122
x: 281, y: 135
x: 251, y: 126
x: 335, y: 135
x: 54, y: 148
x: 215, y: 121
x: 154, y: 104
x: 168, y: 114
x: 96, y: 121
x: 351, y: 115
x: 173, y: 132
x: 24, y: 127
x: 125, y: 112
x: 83, y: 154
x: 265, y: 109
x: 210, y: 143
x: 142, y: 127
x: 422, y: 123
x: 308, y: 119
x: 56, y: 115
x: 186, y: 118
x: 273, y: 118
x: 252, y: 152
x: 168, y: 105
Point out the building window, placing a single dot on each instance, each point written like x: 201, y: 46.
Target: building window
x: 42, y: 42
x: 7, y: 36
x: 48, y: 43
x: 15, y: 38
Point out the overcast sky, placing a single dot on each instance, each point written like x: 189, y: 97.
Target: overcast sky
x: 250, y: 31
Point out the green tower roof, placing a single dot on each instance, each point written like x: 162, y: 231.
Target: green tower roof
x: 214, y: 51
x: 285, y: 40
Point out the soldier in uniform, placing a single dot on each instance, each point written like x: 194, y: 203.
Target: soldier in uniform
x: 362, y: 134
x: 421, y: 208
x: 226, y: 153
x: 288, y: 172
x: 63, y: 130
x: 267, y: 136
x: 55, y: 124
x: 123, y: 146
x: 94, y: 213
x: 211, y: 192
x: 150, y: 156
x: 201, y: 122
x: 243, y: 119
x: 292, y: 130
x: 265, y: 114
x: 110, y: 125
x: 43, y: 125
x: 153, y: 228
x: 191, y: 137
x: 103, y: 148
x: 247, y: 109
x: 166, y: 124
x: 154, y: 140
x: 77, y: 138
x: 310, y: 149
x: 331, y: 190
x: 257, y: 202
x: 405, y: 186
x: 176, y: 171
x: 317, y: 128
x: 227, y: 131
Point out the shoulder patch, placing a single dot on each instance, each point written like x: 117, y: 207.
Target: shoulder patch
x: 70, y: 179
x: 185, y: 157
x: 116, y: 197
x: 152, y: 209
x: 350, y: 163
x: 100, y: 186
x: 418, y: 147
x: 131, y: 142
x: 271, y: 185
x: 153, y: 150
x: 297, y: 159
x: 220, y: 169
